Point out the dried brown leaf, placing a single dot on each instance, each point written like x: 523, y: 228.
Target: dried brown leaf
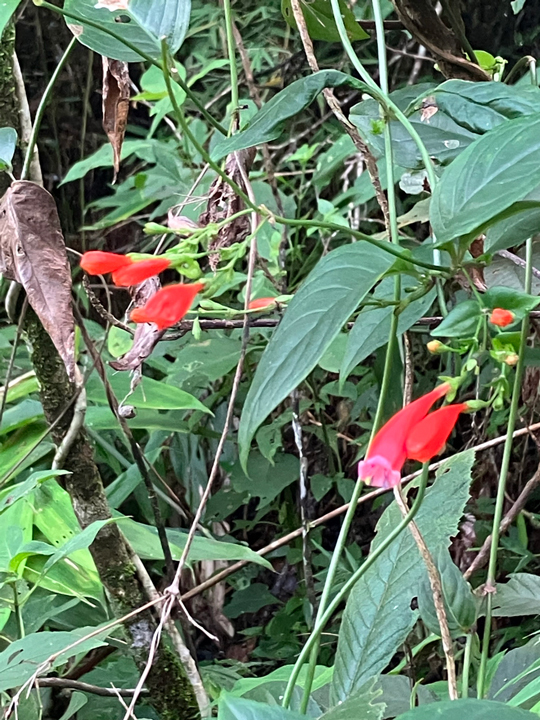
x: 223, y: 202
x: 33, y: 252
x: 147, y: 335
x: 116, y: 94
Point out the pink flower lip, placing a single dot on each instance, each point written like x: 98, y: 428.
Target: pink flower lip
x: 378, y: 471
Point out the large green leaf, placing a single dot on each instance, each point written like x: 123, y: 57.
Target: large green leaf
x: 10, y: 495
x: 25, y: 446
x: 315, y: 316
x: 8, y: 143
x: 463, y: 111
x: 20, y: 660
x: 142, y: 23
x: 517, y: 670
x: 149, y: 393
x: 21, y: 414
x: 235, y: 708
x: 513, y: 230
x: 365, y: 704
x: 378, y: 615
x: 372, y: 326
x: 267, y: 124
x: 519, y: 596
x: 7, y: 8
x: 145, y: 542
x: 471, y: 709
x: 104, y: 158
x: 102, y: 418
x: 493, y: 173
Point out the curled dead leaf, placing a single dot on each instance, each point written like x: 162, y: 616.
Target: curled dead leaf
x: 116, y: 95
x: 180, y: 222
x: 147, y: 335
x: 33, y: 252
x: 223, y: 202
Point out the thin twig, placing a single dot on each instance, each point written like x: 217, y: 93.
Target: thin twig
x: 187, y: 660
x: 304, y: 505
x: 77, y: 421
x: 66, y: 683
x: 437, y: 591
x: 508, y: 519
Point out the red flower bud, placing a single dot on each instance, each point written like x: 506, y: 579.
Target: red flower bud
x: 262, y: 303
x: 501, y: 317
x: 97, y: 262
x: 139, y: 270
x: 168, y: 306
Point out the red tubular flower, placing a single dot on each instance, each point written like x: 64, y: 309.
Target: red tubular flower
x: 411, y: 433
x: 262, y: 303
x: 97, y: 262
x: 139, y: 270
x: 168, y: 306
x: 501, y: 317
x: 429, y: 437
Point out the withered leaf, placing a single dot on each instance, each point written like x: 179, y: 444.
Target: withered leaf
x: 224, y: 202
x: 147, y: 335
x: 116, y: 94
x: 33, y: 252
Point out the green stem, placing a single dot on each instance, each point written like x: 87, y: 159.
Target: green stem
x: 103, y: 28
x: 499, y: 503
x: 41, y: 109
x: 370, y: 560
x: 232, y: 62
x: 466, y: 665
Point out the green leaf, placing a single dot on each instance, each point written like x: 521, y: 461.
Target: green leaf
x: 23, y: 449
x: 265, y: 479
x: 509, y: 299
x: 234, y: 708
x: 480, y: 107
x: 472, y: 709
x: 313, y: 319
x: 372, y: 326
x: 512, y: 231
x: 378, y: 615
x: 320, y: 21
x: 149, y: 394
x: 519, y: 596
x: 364, y: 704
x: 21, y: 414
x: 459, y: 601
x: 145, y: 542
x: 267, y: 124
x: 515, y: 672
x: 20, y: 660
x: 16, y: 492
x: 102, y: 418
x: 77, y: 701
x: 461, y: 321
x: 7, y: 8
x: 147, y: 22
x: 492, y: 174
x: 104, y: 158
x: 8, y: 143
x: 249, y: 600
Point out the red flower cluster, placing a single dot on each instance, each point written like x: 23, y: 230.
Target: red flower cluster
x: 168, y: 306
x: 501, y: 317
x: 411, y: 434
x: 125, y: 271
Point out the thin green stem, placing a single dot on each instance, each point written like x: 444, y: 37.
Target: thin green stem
x: 370, y: 560
x: 466, y: 665
x: 505, y: 464
x: 103, y: 28
x: 231, y: 46
x: 41, y: 109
